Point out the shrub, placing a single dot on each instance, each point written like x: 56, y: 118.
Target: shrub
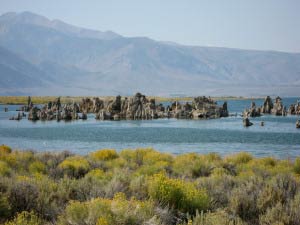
x: 236, y: 189
x: 4, y: 207
x: 264, y: 167
x: 151, y: 157
x: 10, y: 159
x: 119, y: 183
x: 286, y: 186
x: 177, y: 194
x: 102, y: 221
x: 151, y: 169
x: 88, y: 188
x: 23, y: 196
x: 138, y: 187
x: 192, y: 165
x: 280, y: 189
x: 216, y: 172
x: 239, y: 158
x: 297, y: 166
x: 281, y: 214
x: 219, y: 189
x: 96, y: 174
x: 215, y: 218
x: 37, y: 167
x: 77, y: 212
x: 75, y: 166
x: 145, y: 156
x: 25, y: 218
x: 4, y: 149
x: 104, y: 154
x: 117, y: 211
x: 4, y: 169
x: 243, y: 201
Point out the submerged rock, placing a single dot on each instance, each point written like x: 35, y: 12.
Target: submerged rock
x: 246, y: 122
x: 298, y: 124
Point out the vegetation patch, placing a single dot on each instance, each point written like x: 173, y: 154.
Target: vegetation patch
x: 145, y: 186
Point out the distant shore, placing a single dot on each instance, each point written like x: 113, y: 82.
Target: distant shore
x: 21, y: 100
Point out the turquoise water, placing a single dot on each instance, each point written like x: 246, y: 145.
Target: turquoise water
x: 278, y: 137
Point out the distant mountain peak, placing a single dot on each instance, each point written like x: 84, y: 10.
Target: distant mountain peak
x: 78, y: 61
x: 27, y: 17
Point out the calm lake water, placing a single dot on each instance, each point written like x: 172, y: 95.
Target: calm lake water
x: 278, y: 137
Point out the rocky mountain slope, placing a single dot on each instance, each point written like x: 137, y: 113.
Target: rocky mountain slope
x: 68, y: 60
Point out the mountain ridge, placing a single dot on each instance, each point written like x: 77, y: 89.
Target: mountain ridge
x: 109, y: 63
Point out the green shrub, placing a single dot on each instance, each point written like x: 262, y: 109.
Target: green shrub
x: 75, y: 166
x: 243, y: 200
x: 145, y: 186
x: 192, y: 165
x: 25, y: 218
x: 275, y: 215
x: 280, y: 189
x: 96, y: 174
x: 37, y: 167
x: 297, y: 166
x: 104, y: 154
x: 219, y: 189
x: 239, y: 158
x: 117, y: 211
x: 138, y: 187
x: 215, y: 218
x: 23, y: 196
x: 119, y: 182
x: 4, y: 207
x: 145, y: 156
x: 177, y: 194
x: 4, y: 169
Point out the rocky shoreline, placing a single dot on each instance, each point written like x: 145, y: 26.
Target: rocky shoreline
x: 137, y: 107
x: 140, y: 107
x: 268, y: 107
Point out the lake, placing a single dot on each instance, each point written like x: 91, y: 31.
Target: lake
x: 279, y: 137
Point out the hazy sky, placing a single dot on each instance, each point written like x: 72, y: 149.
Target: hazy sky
x: 248, y: 24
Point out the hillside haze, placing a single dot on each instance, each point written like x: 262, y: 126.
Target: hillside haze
x: 39, y: 56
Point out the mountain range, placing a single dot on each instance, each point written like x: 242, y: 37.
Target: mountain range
x: 39, y: 56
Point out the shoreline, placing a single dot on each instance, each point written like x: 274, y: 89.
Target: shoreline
x: 21, y: 100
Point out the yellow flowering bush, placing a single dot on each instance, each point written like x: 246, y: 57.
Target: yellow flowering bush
x: 145, y: 186
x: 37, y: 167
x: 4, y: 149
x: 239, y: 158
x: 101, y: 211
x: 96, y: 174
x: 25, y: 218
x: 178, y: 194
x: 75, y: 166
x: 104, y: 154
x: 4, y: 169
x: 192, y: 165
x: 145, y: 156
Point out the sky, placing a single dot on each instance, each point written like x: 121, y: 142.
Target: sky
x: 245, y: 24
